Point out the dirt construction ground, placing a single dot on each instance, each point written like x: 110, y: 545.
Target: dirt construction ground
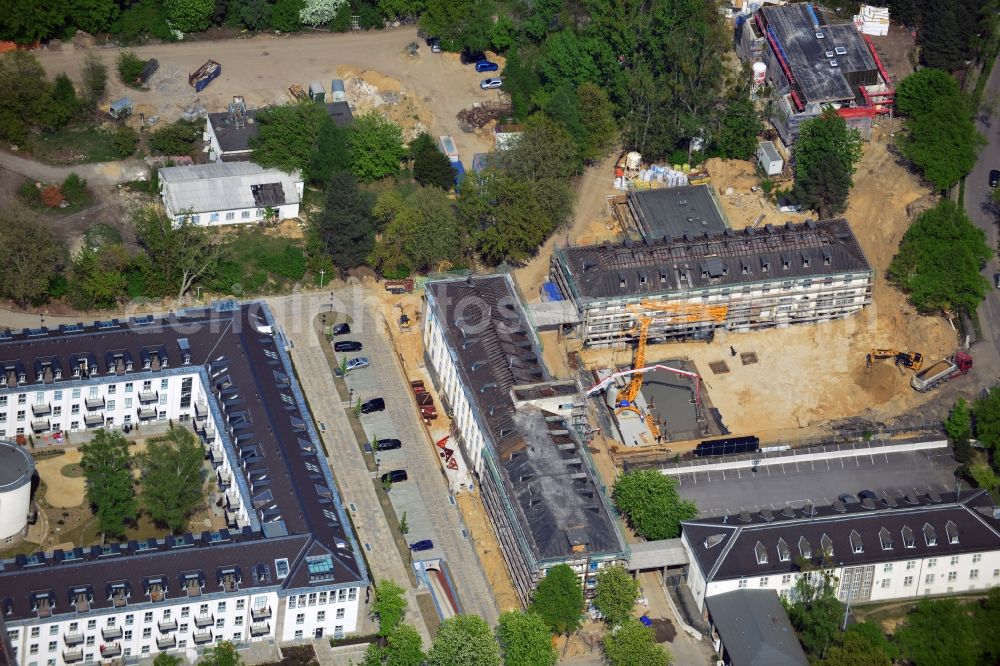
x: 808, y: 375
x: 430, y: 88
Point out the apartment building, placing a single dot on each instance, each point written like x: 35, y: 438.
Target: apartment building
x: 287, y: 567
x: 893, y: 548
x: 517, y: 429
x: 756, y: 278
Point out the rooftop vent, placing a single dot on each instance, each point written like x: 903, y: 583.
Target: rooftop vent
x: 868, y: 503
x: 841, y: 50
x: 890, y: 501
x: 826, y: 543
x: 767, y: 515
x: 820, y: 35
x: 829, y: 54
x: 833, y: 63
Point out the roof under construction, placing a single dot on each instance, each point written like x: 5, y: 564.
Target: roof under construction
x: 222, y: 186
x: 675, y: 211
x: 543, y: 469
x: 651, y: 268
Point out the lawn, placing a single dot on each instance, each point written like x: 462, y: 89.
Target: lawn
x: 73, y: 145
x: 257, y: 262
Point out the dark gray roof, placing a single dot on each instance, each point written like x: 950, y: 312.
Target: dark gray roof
x: 612, y: 271
x: 675, y: 211
x: 233, y: 139
x: 818, y: 81
x: 544, y: 472
x: 296, y: 510
x: 729, y: 547
x: 755, y: 629
x: 16, y: 466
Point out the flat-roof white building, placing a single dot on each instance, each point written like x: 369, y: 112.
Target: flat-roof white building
x: 229, y: 193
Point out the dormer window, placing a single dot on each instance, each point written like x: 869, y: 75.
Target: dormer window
x: 885, y: 538
x: 642, y: 280
x: 805, y: 262
x: 746, y: 269
x: 128, y: 366
x: 22, y: 378
x: 147, y: 364
x: 58, y: 373
x: 826, y: 544
x: 621, y: 281
x: 908, y: 540
x: 952, y: 530
x: 765, y: 266
x: 930, y: 535
x: 761, y: 553
x: 663, y: 277
x: 784, y: 552
x: 784, y: 264
x: 856, y: 544
x: 805, y: 549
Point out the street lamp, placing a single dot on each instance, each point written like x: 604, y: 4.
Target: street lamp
x: 322, y: 272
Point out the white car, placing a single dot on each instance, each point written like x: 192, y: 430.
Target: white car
x: 489, y: 84
x: 358, y: 363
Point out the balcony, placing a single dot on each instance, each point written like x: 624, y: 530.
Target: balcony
x: 74, y: 638
x: 73, y: 656
x: 202, y: 637
x: 167, y: 625
x: 40, y: 426
x: 200, y: 411
x: 260, y: 628
x: 111, y: 633
x: 95, y: 403
x: 93, y: 420
x: 43, y: 409
x: 202, y: 621
x: 146, y: 413
x: 260, y: 613
x: 112, y: 650
x: 149, y: 396
x: 166, y: 642
x: 225, y: 480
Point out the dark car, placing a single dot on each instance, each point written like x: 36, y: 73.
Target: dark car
x: 996, y: 280
x: 423, y: 544
x: 395, y: 476
x: 342, y: 329
x: 388, y: 444
x: 347, y: 346
x: 486, y: 66
x: 867, y: 494
x: 847, y: 498
x: 994, y: 178
x: 470, y: 57
x: 435, y: 44
x: 373, y: 405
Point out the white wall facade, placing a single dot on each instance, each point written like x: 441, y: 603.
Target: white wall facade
x: 237, y: 216
x: 14, y: 505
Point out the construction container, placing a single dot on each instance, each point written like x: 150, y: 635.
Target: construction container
x: 121, y: 108
x: 459, y: 170
x: 147, y: 72
x: 769, y: 158
x: 448, y: 147
x: 337, y: 93
x: 205, y: 74
x: 316, y: 92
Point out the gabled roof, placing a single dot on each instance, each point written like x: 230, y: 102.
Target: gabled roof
x: 755, y: 629
x: 203, y: 188
x: 731, y: 547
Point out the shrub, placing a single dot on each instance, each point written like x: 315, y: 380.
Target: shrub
x: 52, y: 196
x: 125, y: 141
x: 29, y: 194
x: 74, y: 189
x: 130, y: 67
x: 176, y: 139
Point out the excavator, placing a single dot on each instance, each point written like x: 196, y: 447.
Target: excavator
x: 912, y: 360
x: 675, y: 313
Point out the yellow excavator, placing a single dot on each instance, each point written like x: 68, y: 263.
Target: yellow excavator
x: 912, y: 360
x: 679, y: 313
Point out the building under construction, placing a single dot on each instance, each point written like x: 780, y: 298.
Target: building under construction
x: 812, y: 64
x: 519, y: 431
x: 692, y: 286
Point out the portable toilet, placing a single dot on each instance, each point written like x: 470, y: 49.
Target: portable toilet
x: 337, y: 93
x: 121, y: 108
x: 316, y: 92
x: 769, y: 158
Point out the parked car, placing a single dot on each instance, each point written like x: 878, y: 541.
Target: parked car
x: 342, y: 329
x: 469, y: 57
x: 423, y: 544
x: 847, y: 498
x: 996, y: 280
x: 994, y: 178
x: 486, y: 66
x: 489, y: 84
x: 395, y: 476
x: 388, y: 444
x: 373, y: 405
x: 435, y: 44
x: 868, y: 494
x: 358, y: 363
x: 347, y: 346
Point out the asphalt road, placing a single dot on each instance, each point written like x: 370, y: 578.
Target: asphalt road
x: 820, y: 482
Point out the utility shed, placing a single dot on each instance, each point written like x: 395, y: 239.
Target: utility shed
x: 751, y: 628
x: 769, y: 158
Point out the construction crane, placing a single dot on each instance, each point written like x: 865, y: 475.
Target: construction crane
x: 912, y: 360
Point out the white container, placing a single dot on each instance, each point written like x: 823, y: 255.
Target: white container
x: 759, y: 73
x: 633, y: 160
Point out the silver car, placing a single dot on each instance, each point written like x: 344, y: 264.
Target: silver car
x: 489, y: 84
x: 358, y: 363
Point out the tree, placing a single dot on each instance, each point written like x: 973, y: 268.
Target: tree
x: 464, y: 640
x: 823, y: 186
x: 254, y: 14
x: 93, y: 80
x: 958, y: 425
x: 167, y: 659
x: 598, y: 121
x: 616, y: 594
x: 862, y: 644
x: 172, y: 478
x: 64, y: 102
x: 288, y: 135
x: 93, y: 16
x: 986, y: 418
x: 319, y: 12
x: 938, y: 633
x: 107, y: 469
x: 740, y: 125
x: 181, y: 253
x: 124, y: 141
x: 29, y: 256
x: 459, y: 24
x: 421, y: 232
x: 404, y: 647
x: 987, y: 617
x: 544, y: 150
x: 27, y: 97
x: 824, y: 137
x: 916, y: 94
x: 984, y: 476
x: 558, y: 599
x: 374, y: 147
x: 178, y: 138
x: 948, y: 34
x: 633, y: 644
x: 345, y: 230
x: 98, y: 279
x: 395, y: 9
x: 430, y: 165
x: 28, y: 21
x: 650, y: 503
x: 330, y: 155
x: 943, y: 143
x: 129, y: 66
x: 389, y: 606
x: 815, y: 611
x: 189, y: 15
x: 286, y: 15
x: 939, y: 261
x: 222, y: 654
x: 525, y: 640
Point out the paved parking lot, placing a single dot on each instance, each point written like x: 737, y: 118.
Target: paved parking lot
x: 820, y: 482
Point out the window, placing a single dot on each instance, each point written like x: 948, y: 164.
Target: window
x: 954, y: 560
x: 238, y: 636
x: 322, y: 598
x: 996, y: 573
x: 164, y: 384
x: 911, y: 564
x: 321, y: 616
x: 185, y: 611
x: 92, y: 392
x: 932, y: 562
x: 3, y: 401
x: 298, y: 633
x: 280, y: 566
x: 183, y: 628
x: 75, y: 409
x: 887, y: 568
x: 53, y: 645
x: 291, y: 602
x: 112, y: 388
x: 33, y: 649
x: 23, y: 398
x: 341, y: 595
x: 76, y: 393
x: 240, y: 603
x: 54, y: 630
x: 230, y: 216
x: 195, y: 219
x: 352, y: 594
x: 743, y: 583
x: 300, y: 618
x: 128, y: 403
x: 148, y: 617
x: 221, y: 608
x: 214, y: 217
x: 952, y: 575
x: 145, y: 650
x: 245, y: 215
x: 111, y: 404
x: 128, y: 635
x: 340, y: 611
x: 129, y: 387
x: 129, y: 619
x: 973, y: 574
x: 147, y: 632
x: 908, y: 581
x: 34, y: 632
x: 239, y: 620
x: 90, y: 641
x: 20, y: 413
x: 92, y: 624
x: 312, y: 599
x: 885, y: 583
x: 976, y: 558
x: 220, y: 623
x: 929, y: 578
